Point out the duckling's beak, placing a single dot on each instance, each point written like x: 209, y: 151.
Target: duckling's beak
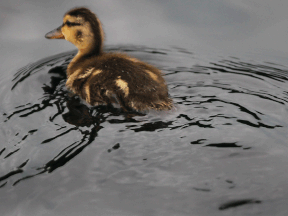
x: 55, y: 34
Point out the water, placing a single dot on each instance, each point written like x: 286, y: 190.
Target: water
x: 223, y: 150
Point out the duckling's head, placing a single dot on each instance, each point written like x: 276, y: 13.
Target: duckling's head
x: 82, y: 28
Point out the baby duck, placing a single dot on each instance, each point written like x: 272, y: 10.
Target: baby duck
x: 106, y: 78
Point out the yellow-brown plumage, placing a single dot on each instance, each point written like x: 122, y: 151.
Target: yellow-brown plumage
x: 105, y: 78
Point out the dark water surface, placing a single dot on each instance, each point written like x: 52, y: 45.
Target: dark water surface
x: 223, y: 151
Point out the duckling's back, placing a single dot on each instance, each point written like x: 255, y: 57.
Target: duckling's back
x: 116, y: 77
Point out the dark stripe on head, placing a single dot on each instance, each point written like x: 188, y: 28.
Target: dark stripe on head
x: 69, y: 24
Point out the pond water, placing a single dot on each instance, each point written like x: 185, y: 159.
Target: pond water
x: 222, y: 151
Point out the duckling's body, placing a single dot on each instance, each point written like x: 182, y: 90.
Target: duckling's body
x: 105, y: 78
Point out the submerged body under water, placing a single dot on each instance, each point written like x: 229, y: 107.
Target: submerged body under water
x: 222, y: 151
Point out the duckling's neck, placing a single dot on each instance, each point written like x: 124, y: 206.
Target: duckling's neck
x: 81, y: 56
x: 72, y: 66
x: 91, y: 45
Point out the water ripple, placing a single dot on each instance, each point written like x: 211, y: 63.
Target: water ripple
x: 228, y: 106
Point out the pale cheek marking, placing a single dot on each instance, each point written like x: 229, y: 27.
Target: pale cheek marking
x: 87, y: 36
x: 123, y: 86
x: 67, y: 34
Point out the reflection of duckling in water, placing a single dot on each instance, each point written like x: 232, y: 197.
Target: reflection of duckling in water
x: 105, y: 78
x: 78, y: 114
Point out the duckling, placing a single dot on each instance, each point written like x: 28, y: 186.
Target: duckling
x: 106, y: 78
